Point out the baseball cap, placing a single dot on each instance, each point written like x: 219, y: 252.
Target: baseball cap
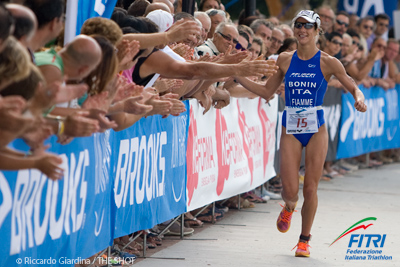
x: 163, y: 19
x: 308, y: 15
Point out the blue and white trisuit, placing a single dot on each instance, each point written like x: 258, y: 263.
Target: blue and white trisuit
x: 305, y: 87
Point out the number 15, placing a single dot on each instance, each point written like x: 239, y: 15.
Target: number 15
x: 303, y: 122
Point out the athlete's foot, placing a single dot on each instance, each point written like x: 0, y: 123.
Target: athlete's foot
x: 303, y: 247
x: 283, y: 222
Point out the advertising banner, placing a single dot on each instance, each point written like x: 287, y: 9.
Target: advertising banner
x: 230, y: 151
x: 377, y: 129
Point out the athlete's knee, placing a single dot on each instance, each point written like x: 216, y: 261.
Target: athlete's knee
x: 310, y: 191
x: 290, y: 194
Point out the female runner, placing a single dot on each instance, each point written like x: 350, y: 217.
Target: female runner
x: 306, y: 72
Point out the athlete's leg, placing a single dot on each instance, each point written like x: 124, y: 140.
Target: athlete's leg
x: 315, y: 157
x: 290, y: 153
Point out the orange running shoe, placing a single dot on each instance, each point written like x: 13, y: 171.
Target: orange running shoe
x: 283, y: 222
x: 302, y: 249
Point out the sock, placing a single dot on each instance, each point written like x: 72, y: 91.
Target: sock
x: 305, y: 238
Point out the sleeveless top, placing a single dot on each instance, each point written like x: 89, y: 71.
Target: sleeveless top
x: 135, y: 74
x: 49, y: 57
x: 305, y: 85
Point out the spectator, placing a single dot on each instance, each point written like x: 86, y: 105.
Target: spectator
x: 286, y: 30
x: 342, y: 22
x: 353, y: 19
x: 392, y: 51
x: 50, y: 18
x: 277, y: 39
x: 156, y: 6
x: 263, y: 29
x: 14, y: 62
x: 381, y: 29
x: 289, y: 44
x: 206, y: 24
x: 25, y: 23
x: 333, y: 44
x: 225, y: 35
x: 327, y: 18
x: 217, y: 16
x: 6, y: 25
x: 257, y: 47
x: 380, y: 69
x: 138, y: 8
x: 247, y: 30
x: 205, y: 5
x: 366, y: 26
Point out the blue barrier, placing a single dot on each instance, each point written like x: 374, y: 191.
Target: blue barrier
x: 114, y: 184
x: 375, y: 130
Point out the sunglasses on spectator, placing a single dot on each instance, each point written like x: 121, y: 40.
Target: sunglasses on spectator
x: 342, y: 23
x: 368, y: 27
x: 355, y: 43
x: 273, y: 40
x: 383, y: 24
x: 228, y: 38
x: 240, y: 47
x: 307, y: 25
x: 334, y: 41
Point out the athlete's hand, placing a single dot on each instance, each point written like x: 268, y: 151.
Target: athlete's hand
x: 360, y: 105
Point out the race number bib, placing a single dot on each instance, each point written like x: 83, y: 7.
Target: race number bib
x: 301, y: 120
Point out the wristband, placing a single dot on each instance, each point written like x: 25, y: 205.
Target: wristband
x: 61, y: 127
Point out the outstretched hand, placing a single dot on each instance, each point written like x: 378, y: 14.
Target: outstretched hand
x: 360, y: 105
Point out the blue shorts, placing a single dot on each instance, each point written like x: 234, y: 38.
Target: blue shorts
x: 305, y: 138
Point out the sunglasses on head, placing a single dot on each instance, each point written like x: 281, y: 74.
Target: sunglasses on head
x: 307, y: 25
x: 229, y: 39
x: 342, y: 23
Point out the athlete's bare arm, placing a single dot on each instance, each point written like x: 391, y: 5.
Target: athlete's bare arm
x: 332, y: 66
x: 273, y: 83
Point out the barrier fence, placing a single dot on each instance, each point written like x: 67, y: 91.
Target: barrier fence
x: 117, y: 183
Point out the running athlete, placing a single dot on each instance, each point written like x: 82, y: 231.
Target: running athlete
x: 306, y: 72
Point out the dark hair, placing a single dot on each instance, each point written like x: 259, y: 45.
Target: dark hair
x: 366, y: 18
x: 138, y: 8
x: 381, y: 16
x: 118, y: 15
x: 286, y: 43
x: 23, y: 26
x: 140, y: 24
x: 245, y: 35
x: 243, y: 20
x: 353, y: 33
x: 127, y: 3
x: 330, y: 36
x: 344, y: 13
x: 182, y: 15
x: 201, y: 4
x: 6, y: 22
x: 45, y: 10
x: 128, y: 29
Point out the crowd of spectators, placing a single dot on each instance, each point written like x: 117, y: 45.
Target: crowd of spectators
x: 144, y: 61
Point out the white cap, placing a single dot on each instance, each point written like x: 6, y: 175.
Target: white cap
x: 308, y: 15
x: 163, y: 19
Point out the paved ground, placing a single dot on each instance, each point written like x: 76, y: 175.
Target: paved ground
x: 250, y: 238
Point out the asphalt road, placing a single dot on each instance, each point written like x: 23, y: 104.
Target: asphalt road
x: 250, y: 238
